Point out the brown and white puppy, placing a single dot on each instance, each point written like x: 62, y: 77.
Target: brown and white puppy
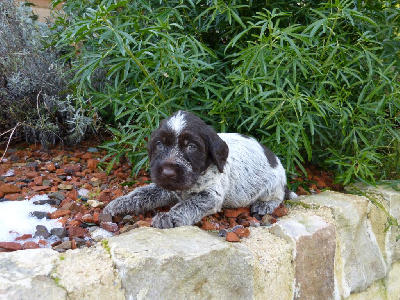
x: 198, y: 172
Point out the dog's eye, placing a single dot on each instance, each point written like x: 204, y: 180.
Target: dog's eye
x: 191, y: 147
x: 159, y: 145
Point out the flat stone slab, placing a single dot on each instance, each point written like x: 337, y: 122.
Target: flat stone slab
x: 181, y: 263
x: 26, y: 275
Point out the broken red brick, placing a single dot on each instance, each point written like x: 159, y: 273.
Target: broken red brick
x: 232, y: 237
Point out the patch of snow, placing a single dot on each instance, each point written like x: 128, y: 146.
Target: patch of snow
x: 16, y: 221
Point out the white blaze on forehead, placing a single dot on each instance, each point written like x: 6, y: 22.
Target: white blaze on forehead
x: 177, y: 122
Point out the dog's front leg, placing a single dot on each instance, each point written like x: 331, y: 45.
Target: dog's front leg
x: 141, y: 200
x: 189, y: 211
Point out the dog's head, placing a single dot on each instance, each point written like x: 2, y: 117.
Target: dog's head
x: 181, y: 149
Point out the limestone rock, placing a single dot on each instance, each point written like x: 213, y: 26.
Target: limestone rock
x: 374, y: 292
x: 359, y: 261
x: 95, y: 203
x: 392, y: 282
x: 314, y: 246
x: 389, y: 199
x: 273, y: 269
x: 26, y: 275
x: 97, y: 279
x: 189, y: 263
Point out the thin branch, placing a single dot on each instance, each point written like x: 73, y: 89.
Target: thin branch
x: 9, y: 139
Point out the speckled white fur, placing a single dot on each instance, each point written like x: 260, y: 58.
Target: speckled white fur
x: 247, y: 176
x: 177, y: 123
x: 252, y: 175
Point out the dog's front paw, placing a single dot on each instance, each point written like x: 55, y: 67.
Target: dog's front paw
x: 164, y: 220
x: 265, y: 207
x: 122, y: 205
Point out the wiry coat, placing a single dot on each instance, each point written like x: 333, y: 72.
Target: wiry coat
x: 198, y: 172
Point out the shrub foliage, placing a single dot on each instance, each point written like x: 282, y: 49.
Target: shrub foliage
x: 315, y: 81
x: 31, y: 81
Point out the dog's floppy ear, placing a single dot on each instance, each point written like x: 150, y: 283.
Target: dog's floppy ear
x: 218, y: 150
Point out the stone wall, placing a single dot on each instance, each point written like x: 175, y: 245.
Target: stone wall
x: 330, y: 246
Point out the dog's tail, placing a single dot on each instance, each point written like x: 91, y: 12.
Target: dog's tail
x: 289, y: 194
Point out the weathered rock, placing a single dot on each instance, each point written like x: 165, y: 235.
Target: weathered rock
x: 10, y: 188
x: 24, y: 237
x: 92, y: 164
x: 87, y: 218
x: 60, y: 213
x: 267, y: 219
x: 359, y: 261
x: 86, y: 156
x: 46, y: 182
x: 59, y: 232
x: 64, y: 186
x: 72, y: 169
x: 41, y: 231
x: 242, y: 232
x: 209, y: 225
x: 30, y: 245
x: 105, y: 218
x: 314, y: 266
x: 10, y: 246
x: 232, y: 237
x: 97, y: 278
x: 109, y: 226
x: 50, y: 167
x: 39, y: 214
x: 25, y: 275
x: 100, y: 234
x: 56, y: 195
x: 40, y: 188
x: 77, y: 231
x: 273, y: 268
x: 280, y: 211
x: 105, y: 195
x: 392, y: 282
x: 43, y: 202
x: 141, y: 224
x: 95, y: 203
x: 376, y: 291
x: 38, y: 180
x: 187, y: 262
x: 63, y: 246
x: 389, y: 199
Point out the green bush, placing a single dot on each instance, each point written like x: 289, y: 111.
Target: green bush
x: 315, y: 81
x: 31, y: 83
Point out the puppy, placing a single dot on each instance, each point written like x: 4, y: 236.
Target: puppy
x: 197, y: 172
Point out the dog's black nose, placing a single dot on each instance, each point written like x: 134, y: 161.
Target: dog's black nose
x: 168, y: 172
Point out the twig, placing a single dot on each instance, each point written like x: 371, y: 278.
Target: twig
x: 7, y: 131
x: 9, y: 139
x: 37, y: 103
